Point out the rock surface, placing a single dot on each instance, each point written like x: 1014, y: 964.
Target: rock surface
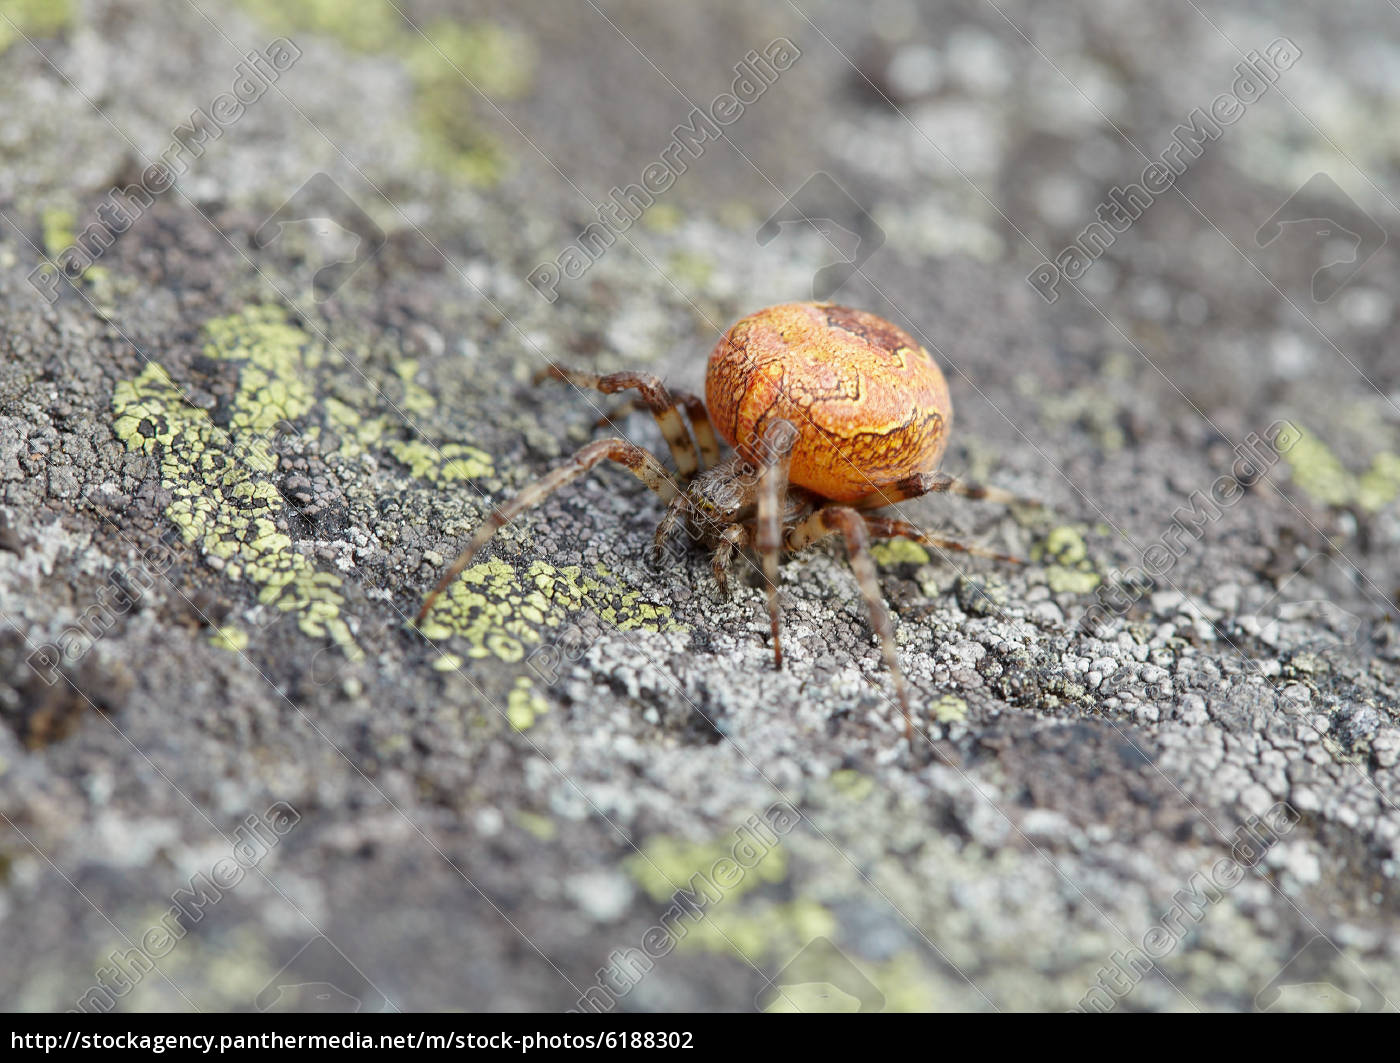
x: 1161, y: 768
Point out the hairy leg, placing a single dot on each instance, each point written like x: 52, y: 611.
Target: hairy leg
x: 851, y: 525
x: 638, y: 461
x: 732, y: 538
x: 694, y: 407
x: 889, y: 528
x: 778, y: 441
x: 927, y: 483
x: 656, y: 398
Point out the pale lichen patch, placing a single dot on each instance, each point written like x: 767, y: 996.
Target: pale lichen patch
x: 223, y: 499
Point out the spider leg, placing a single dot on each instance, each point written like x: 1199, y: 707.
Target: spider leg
x: 638, y: 461
x: 663, y: 405
x: 851, y: 525
x: 778, y: 440
x: 700, y: 425
x: 889, y: 528
x: 926, y: 483
x: 731, y: 539
x: 667, y: 525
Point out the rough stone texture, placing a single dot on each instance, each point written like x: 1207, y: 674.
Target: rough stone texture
x: 485, y: 817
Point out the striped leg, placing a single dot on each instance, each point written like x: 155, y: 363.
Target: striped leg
x: 927, y: 483
x: 778, y: 440
x: 661, y: 403
x: 641, y: 464
x: 732, y: 538
x: 888, y: 528
x: 694, y: 407
x: 668, y: 523
x: 852, y: 527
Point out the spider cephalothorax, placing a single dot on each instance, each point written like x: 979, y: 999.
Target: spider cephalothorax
x: 831, y: 412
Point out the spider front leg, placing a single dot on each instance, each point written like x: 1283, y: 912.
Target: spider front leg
x: 667, y: 525
x: 851, y: 525
x: 774, y: 460
x: 663, y: 406
x: 633, y: 458
x: 734, y: 537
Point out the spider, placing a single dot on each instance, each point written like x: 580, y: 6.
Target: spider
x: 831, y: 412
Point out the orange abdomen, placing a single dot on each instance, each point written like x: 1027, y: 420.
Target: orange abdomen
x: 869, y: 404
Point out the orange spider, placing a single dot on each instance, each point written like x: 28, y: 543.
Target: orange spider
x: 831, y: 412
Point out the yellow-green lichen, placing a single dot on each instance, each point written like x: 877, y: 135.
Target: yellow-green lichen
x: 851, y: 784
x: 448, y: 662
x: 1379, y: 485
x: 949, y: 708
x: 233, y: 639
x: 767, y: 932
x: 1071, y: 581
x: 449, y: 63
x: 272, y: 386
x: 541, y: 827
x: 663, y: 217
x: 499, y: 62
x: 355, y: 433
x: 821, y: 981
x: 416, y: 398
x: 899, y: 552
x: 455, y: 141
x: 447, y: 463
x: 33, y: 18
x: 759, y: 932
x: 58, y: 231
x: 1320, y: 473
x: 222, y: 497
x: 773, y: 934
x: 665, y: 864
x: 58, y: 224
x: 525, y: 705
x: 1068, y: 568
x: 692, y: 272
x: 905, y: 984
x: 500, y: 613
x: 365, y: 27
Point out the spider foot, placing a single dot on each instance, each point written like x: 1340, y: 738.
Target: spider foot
x: 722, y: 584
